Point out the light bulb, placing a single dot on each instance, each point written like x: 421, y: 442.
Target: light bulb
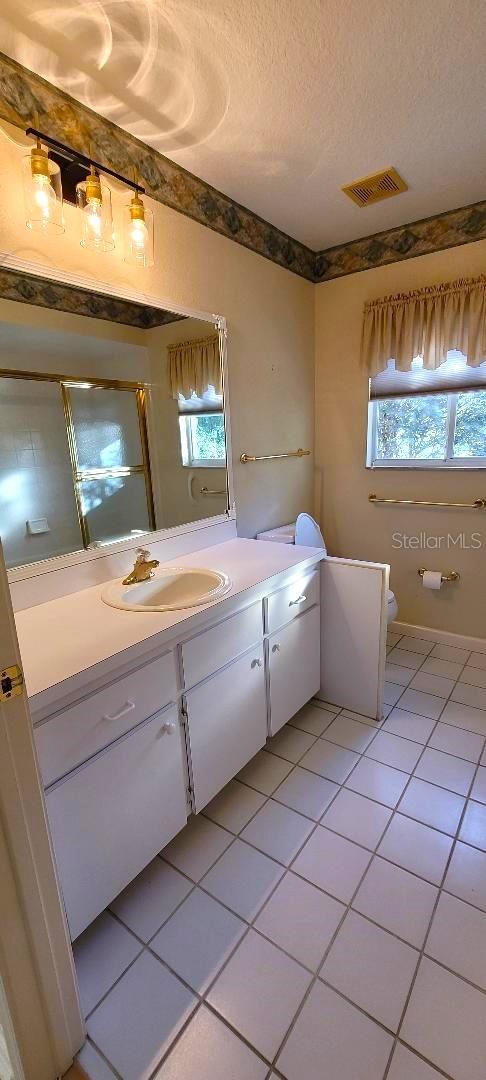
x: 42, y: 191
x: 94, y: 201
x: 138, y: 228
x: 93, y: 214
x: 43, y: 194
x: 139, y: 235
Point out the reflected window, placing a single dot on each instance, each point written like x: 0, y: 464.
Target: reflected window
x: 202, y: 434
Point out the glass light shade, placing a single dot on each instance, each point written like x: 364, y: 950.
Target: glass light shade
x: 138, y: 229
x: 42, y: 192
x: 94, y: 203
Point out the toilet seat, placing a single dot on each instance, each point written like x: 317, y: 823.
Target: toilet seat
x: 308, y: 533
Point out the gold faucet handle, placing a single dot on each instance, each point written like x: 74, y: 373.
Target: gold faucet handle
x: 143, y: 555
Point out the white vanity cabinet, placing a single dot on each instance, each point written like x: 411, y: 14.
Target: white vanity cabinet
x: 293, y: 666
x: 139, y: 743
x: 227, y: 724
x: 112, y: 815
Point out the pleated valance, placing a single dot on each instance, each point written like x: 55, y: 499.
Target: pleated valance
x: 193, y: 366
x: 428, y: 323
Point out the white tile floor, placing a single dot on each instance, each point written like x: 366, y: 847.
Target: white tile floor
x: 325, y: 918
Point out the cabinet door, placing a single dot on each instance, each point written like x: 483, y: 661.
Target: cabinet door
x: 111, y: 817
x: 227, y: 723
x: 294, y: 664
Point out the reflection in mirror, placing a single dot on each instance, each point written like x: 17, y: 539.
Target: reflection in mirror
x: 109, y: 427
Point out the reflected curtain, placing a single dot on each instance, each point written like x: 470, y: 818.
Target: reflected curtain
x: 193, y: 366
x: 428, y: 323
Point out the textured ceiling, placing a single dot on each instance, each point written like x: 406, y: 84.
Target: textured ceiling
x: 279, y: 102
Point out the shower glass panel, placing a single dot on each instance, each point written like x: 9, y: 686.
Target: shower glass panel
x: 114, y: 506
x: 38, y: 514
x: 106, y: 427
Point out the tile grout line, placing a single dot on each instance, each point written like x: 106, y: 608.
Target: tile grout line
x: 424, y: 945
x: 348, y: 908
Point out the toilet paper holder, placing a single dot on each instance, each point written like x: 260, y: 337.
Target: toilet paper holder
x: 450, y: 575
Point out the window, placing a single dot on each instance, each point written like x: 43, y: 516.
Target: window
x: 201, y: 423
x: 428, y: 419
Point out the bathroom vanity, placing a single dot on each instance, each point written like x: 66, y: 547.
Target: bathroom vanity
x: 141, y: 718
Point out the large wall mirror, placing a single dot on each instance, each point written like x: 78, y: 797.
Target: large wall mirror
x: 112, y: 421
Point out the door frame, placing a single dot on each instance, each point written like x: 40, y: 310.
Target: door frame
x: 36, y: 957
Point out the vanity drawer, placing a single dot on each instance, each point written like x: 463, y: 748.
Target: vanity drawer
x: 288, y: 603
x: 211, y: 650
x: 74, y: 735
x: 111, y: 817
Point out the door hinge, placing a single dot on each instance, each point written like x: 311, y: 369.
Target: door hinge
x: 11, y: 682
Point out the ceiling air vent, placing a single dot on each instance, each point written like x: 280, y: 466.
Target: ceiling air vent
x: 374, y: 188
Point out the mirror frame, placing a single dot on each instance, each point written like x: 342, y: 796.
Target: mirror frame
x: 63, y: 277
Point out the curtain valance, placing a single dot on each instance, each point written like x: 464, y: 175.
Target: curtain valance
x: 428, y: 322
x: 193, y: 366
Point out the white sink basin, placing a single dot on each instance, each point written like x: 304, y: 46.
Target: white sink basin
x: 171, y: 588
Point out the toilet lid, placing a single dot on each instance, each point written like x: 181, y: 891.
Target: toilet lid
x: 308, y: 533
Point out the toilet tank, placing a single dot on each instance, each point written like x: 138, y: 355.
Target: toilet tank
x: 285, y: 534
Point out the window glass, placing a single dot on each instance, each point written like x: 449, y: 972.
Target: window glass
x: 208, y: 437
x: 411, y: 428
x: 470, y: 431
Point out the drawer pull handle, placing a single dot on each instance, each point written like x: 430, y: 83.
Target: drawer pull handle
x: 300, y: 600
x: 256, y: 663
x: 169, y: 727
x: 275, y: 648
x: 126, y: 708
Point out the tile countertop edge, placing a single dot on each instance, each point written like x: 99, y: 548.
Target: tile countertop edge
x: 58, y: 643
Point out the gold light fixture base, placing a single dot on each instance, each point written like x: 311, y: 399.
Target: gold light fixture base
x: 137, y: 209
x: 93, y: 186
x: 39, y: 160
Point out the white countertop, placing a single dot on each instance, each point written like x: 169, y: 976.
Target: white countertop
x: 63, y: 637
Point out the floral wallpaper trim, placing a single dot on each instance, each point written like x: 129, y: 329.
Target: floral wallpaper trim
x: 451, y: 229
x: 30, y: 289
x: 24, y: 95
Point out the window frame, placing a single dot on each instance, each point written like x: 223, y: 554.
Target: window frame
x: 192, y: 462
x: 449, y: 462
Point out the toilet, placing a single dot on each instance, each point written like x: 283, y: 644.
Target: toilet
x: 307, y: 533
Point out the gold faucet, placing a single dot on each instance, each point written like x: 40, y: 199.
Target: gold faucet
x: 143, y: 568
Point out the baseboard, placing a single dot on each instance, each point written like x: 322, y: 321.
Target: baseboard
x: 444, y: 637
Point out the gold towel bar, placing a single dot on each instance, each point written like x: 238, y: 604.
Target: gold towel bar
x: 244, y: 458
x: 478, y: 504
x: 451, y: 575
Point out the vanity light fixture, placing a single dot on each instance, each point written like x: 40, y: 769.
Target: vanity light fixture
x: 94, y: 201
x: 43, y: 181
x: 139, y: 233
x: 42, y: 191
